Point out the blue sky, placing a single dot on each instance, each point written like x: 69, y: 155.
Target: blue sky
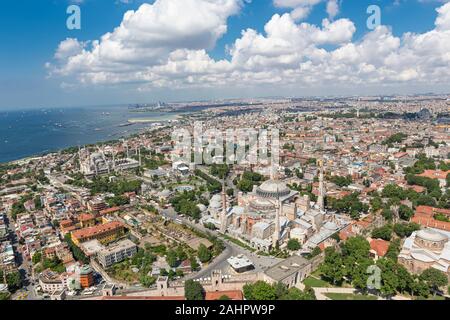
x: 31, y: 31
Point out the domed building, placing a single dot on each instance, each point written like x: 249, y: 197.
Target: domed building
x: 264, y: 198
x: 424, y: 249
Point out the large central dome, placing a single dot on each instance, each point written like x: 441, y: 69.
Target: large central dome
x: 273, y: 189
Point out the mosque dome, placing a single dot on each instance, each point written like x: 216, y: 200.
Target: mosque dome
x: 215, y: 202
x: 431, y: 235
x: 273, y: 189
x: 430, y: 239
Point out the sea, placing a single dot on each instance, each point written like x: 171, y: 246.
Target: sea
x: 25, y: 133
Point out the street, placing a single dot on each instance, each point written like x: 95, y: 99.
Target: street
x: 231, y: 250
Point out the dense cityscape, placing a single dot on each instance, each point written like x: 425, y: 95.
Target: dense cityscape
x: 362, y: 185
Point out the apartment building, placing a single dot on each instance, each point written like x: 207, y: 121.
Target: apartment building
x: 117, y: 253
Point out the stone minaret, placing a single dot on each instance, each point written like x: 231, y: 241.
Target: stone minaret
x: 276, y: 234
x: 320, y: 199
x: 140, y: 157
x: 223, y: 215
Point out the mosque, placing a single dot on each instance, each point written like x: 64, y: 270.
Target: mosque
x: 272, y: 214
x: 96, y: 163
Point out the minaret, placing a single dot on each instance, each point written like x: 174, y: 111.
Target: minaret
x: 140, y: 159
x: 276, y: 234
x: 223, y: 216
x: 320, y: 199
x: 273, y: 172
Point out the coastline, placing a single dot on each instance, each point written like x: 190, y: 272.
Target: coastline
x: 37, y: 156
x: 36, y: 133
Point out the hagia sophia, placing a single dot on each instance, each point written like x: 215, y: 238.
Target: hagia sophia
x: 272, y: 213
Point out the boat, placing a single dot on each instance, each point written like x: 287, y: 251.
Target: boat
x: 126, y: 124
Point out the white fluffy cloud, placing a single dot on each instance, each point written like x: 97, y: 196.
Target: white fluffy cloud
x: 158, y: 46
x: 148, y: 35
x: 332, y: 8
x: 301, y: 8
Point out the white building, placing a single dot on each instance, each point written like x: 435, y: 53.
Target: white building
x: 116, y: 253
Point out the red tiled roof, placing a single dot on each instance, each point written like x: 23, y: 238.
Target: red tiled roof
x: 109, y: 210
x: 233, y: 295
x: 425, y: 217
x: 66, y: 223
x: 400, y: 154
x: 86, y: 217
x: 379, y: 246
x: 418, y: 189
x: 93, y: 231
x: 431, y: 210
x: 435, y: 174
x: 346, y: 233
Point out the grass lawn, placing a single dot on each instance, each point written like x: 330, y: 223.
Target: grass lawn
x: 349, y: 296
x: 315, y: 283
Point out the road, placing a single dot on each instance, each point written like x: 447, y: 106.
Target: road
x: 24, y: 267
x: 228, y: 180
x: 220, y: 263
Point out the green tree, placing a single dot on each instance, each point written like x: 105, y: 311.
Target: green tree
x: 420, y: 288
x: 147, y: 281
x: 296, y: 294
x: 357, y: 247
x: 434, y: 278
x: 194, y: 264
x: 376, y: 203
x: 293, y: 245
x: 37, y: 257
x: 393, y: 250
x: 204, y: 254
x: 260, y: 290
x: 384, y: 232
x: 387, y: 214
x: 316, y: 251
x: 14, y: 281
x: 405, y: 212
x: 4, y: 296
x: 332, y: 268
x: 280, y: 289
x: 181, y: 254
x: 179, y: 273
x: 342, y: 181
x: 405, y: 229
x: 77, y: 253
x: 193, y: 290
x: 358, y: 272
x: 172, y: 258
x: 394, y: 277
x: 393, y: 191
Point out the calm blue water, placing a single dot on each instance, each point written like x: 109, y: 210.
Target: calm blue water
x: 31, y: 132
